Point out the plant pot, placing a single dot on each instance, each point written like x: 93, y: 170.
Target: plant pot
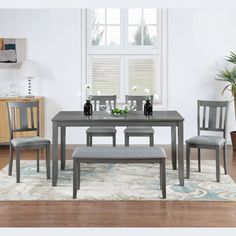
x: 233, y: 139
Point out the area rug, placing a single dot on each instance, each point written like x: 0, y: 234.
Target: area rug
x: 117, y: 182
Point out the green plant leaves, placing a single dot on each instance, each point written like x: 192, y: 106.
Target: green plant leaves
x: 228, y: 75
x: 231, y: 58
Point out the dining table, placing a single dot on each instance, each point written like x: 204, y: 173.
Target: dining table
x: 163, y: 118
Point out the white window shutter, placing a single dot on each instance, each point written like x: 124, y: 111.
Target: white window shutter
x: 104, y: 74
x: 144, y: 72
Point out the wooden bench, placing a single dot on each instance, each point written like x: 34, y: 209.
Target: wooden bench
x: 118, y: 155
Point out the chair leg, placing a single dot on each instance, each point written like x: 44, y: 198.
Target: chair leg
x: 225, y: 159
x: 78, y: 179
x: 90, y: 140
x: 10, y: 160
x: 37, y: 156
x: 48, y: 161
x: 17, y: 166
x: 75, y: 178
x: 87, y: 139
x: 217, y: 164
x: 126, y: 140
x: 160, y: 176
x: 151, y: 140
x: 163, y: 173
x: 187, y: 161
x: 114, y: 140
x: 199, y: 159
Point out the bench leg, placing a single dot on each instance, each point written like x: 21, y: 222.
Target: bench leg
x: 163, y: 181
x: 75, y: 178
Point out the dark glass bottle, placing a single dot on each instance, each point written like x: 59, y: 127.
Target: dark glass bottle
x: 88, y: 108
x: 148, y: 108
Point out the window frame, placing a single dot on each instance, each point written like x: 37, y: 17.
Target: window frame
x: 126, y: 50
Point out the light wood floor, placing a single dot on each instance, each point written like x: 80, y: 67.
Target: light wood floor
x: 118, y: 213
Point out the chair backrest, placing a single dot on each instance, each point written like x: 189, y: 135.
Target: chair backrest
x: 23, y: 116
x: 136, y: 101
x: 212, y: 116
x: 99, y: 101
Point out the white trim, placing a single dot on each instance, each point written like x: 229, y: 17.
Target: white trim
x: 164, y: 61
x: 83, y: 54
x: 126, y: 74
x: 122, y: 81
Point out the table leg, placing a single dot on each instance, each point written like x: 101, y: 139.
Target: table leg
x: 54, y: 154
x: 181, y: 152
x: 173, y: 147
x: 63, y: 147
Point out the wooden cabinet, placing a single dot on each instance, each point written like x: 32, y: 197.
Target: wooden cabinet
x: 4, y: 125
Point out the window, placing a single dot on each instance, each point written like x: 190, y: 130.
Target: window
x: 124, y: 52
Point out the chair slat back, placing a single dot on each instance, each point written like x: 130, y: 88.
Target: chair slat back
x: 99, y: 102
x: 212, y: 116
x: 136, y: 101
x: 23, y: 116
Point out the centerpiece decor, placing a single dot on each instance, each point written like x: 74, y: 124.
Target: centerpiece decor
x: 119, y: 112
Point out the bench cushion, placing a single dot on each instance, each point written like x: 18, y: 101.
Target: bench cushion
x: 119, y: 153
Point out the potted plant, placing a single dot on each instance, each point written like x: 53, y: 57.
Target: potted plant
x: 229, y: 75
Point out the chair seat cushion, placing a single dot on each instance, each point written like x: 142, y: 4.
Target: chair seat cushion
x: 29, y: 141
x: 101, y: 130
x: 139, y: 130
x: 206, y: 140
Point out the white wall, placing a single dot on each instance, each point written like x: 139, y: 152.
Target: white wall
x: 198, y: 41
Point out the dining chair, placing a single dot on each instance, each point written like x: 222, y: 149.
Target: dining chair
x: 24, y: 117
x: 212, y: 117
x: 137, y: 103
x: 102, y: 103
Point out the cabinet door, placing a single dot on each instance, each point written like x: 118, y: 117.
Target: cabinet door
x: 4, y: 127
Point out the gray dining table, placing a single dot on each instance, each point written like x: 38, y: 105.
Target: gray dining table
x: 163, y: 118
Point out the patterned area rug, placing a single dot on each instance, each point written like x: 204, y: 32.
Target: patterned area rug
x: 117, y: 182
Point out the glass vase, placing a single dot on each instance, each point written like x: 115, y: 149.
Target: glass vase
x: 148, y: 108
x: 88, y: 108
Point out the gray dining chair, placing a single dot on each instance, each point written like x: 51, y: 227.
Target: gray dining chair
x: 211, y: 116
x: 137, y: 103
x: 102, y: 103
x: 24, y: 117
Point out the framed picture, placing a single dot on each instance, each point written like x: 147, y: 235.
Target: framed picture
x: 12, y: 51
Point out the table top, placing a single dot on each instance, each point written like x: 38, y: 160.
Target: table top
x: 158, y: 116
